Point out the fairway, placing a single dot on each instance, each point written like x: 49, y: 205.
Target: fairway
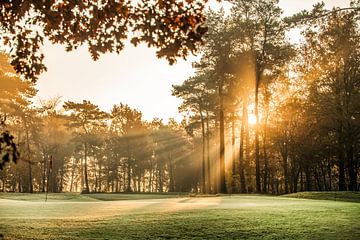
x: 134, y: 216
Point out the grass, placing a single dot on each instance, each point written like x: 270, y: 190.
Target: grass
x: 335, y: 196
x: 40, y: 197
x: 146, y: 216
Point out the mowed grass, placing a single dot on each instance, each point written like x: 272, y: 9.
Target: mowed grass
x: 159, y: 216
x: 335, y: 196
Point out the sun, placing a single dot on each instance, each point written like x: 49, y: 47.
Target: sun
x: 252, y: 119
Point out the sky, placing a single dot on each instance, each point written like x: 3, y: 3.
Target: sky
x: 134, y: 77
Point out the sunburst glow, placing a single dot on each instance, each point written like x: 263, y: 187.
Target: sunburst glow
x: 252, y: 119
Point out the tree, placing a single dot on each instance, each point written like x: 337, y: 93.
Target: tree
x: 216, y: 60
x: 332, y: 71
x: 261, y: 31
x: 174, y: 27
x: 84, y: 117
x: 127, y: 123
x: 14, y: 93
x: 199, y: 100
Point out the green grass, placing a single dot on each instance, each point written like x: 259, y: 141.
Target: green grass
x: 335, y: 196
x: 72, y: 216
x: 87, y: 197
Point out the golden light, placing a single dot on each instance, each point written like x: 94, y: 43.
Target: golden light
x: 252, y: 119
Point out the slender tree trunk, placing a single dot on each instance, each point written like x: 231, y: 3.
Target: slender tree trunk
x: 341, y: 166
x: 351, y: 168
x: 248, y: 149
x: 30, y: 178
x: 171, y: 175
x: 117, y: 179
x: 72, y: 175
x: 318, y: 180
x: 96, y: 181
x: 86, y: 190
x: 29, y: 157
x: 241, y: 149
x: 128, y: 187
x: 203, y: 170
x: 308, y: 180
x: 329, y: 174
x: 266, y: 164
x: 150, y: 176
x: 233, y: 148
x: 43, y: 182
x: 223, y: 188
x: 160, y: 178
x: 257, y: 144
x: 82, y: 182
x: 99, y: 177
x: 233, y: 143
x: 139, y: 182
x: 61, y: 179
x: 208, y: 185
x: 285, y: 168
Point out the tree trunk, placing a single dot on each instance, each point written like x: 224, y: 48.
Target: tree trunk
x: 308, y: 180
x: 233, y: 148
x: 128, y: 187
x: 285, y: 168
x: 86, y: 190
x: 301, y: 181
x: 241, y: 149
x: 150, y: 176
x: 72, y: 175
x: 266, y: 164
x: 223, y: 188
x: 208, y: 185
x: 117, y: 179
x: 351, y: 168
x: 43, y: 182
x: 171, y: 175
x: 203, y: 175
x: 29, y: 158
x: 257, y: 144
x: 341, y: 165
x: 329, y: 174
x: 99, y: 178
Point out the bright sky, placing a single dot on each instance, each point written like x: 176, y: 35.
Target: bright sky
x: 134, y: 77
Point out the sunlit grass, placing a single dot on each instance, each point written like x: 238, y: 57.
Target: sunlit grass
x: 226, y: 217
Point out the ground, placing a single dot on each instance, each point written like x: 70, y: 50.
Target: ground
x: 154, y: 216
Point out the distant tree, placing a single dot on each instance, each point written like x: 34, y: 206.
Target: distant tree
x: 84, y: 118
x: 56, y: 147
x: 132, y: 138
x: 198, y: 99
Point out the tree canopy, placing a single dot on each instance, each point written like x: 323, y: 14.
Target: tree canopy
x: 174, y: 27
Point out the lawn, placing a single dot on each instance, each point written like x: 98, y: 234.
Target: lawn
x: 157, y: 216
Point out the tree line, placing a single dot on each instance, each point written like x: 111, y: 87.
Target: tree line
x: 262, y: 114
x: 78, y: 147
x: 283, y: 117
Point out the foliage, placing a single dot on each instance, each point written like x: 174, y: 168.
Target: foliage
x: 8, y: 149
x: 175, y: 28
